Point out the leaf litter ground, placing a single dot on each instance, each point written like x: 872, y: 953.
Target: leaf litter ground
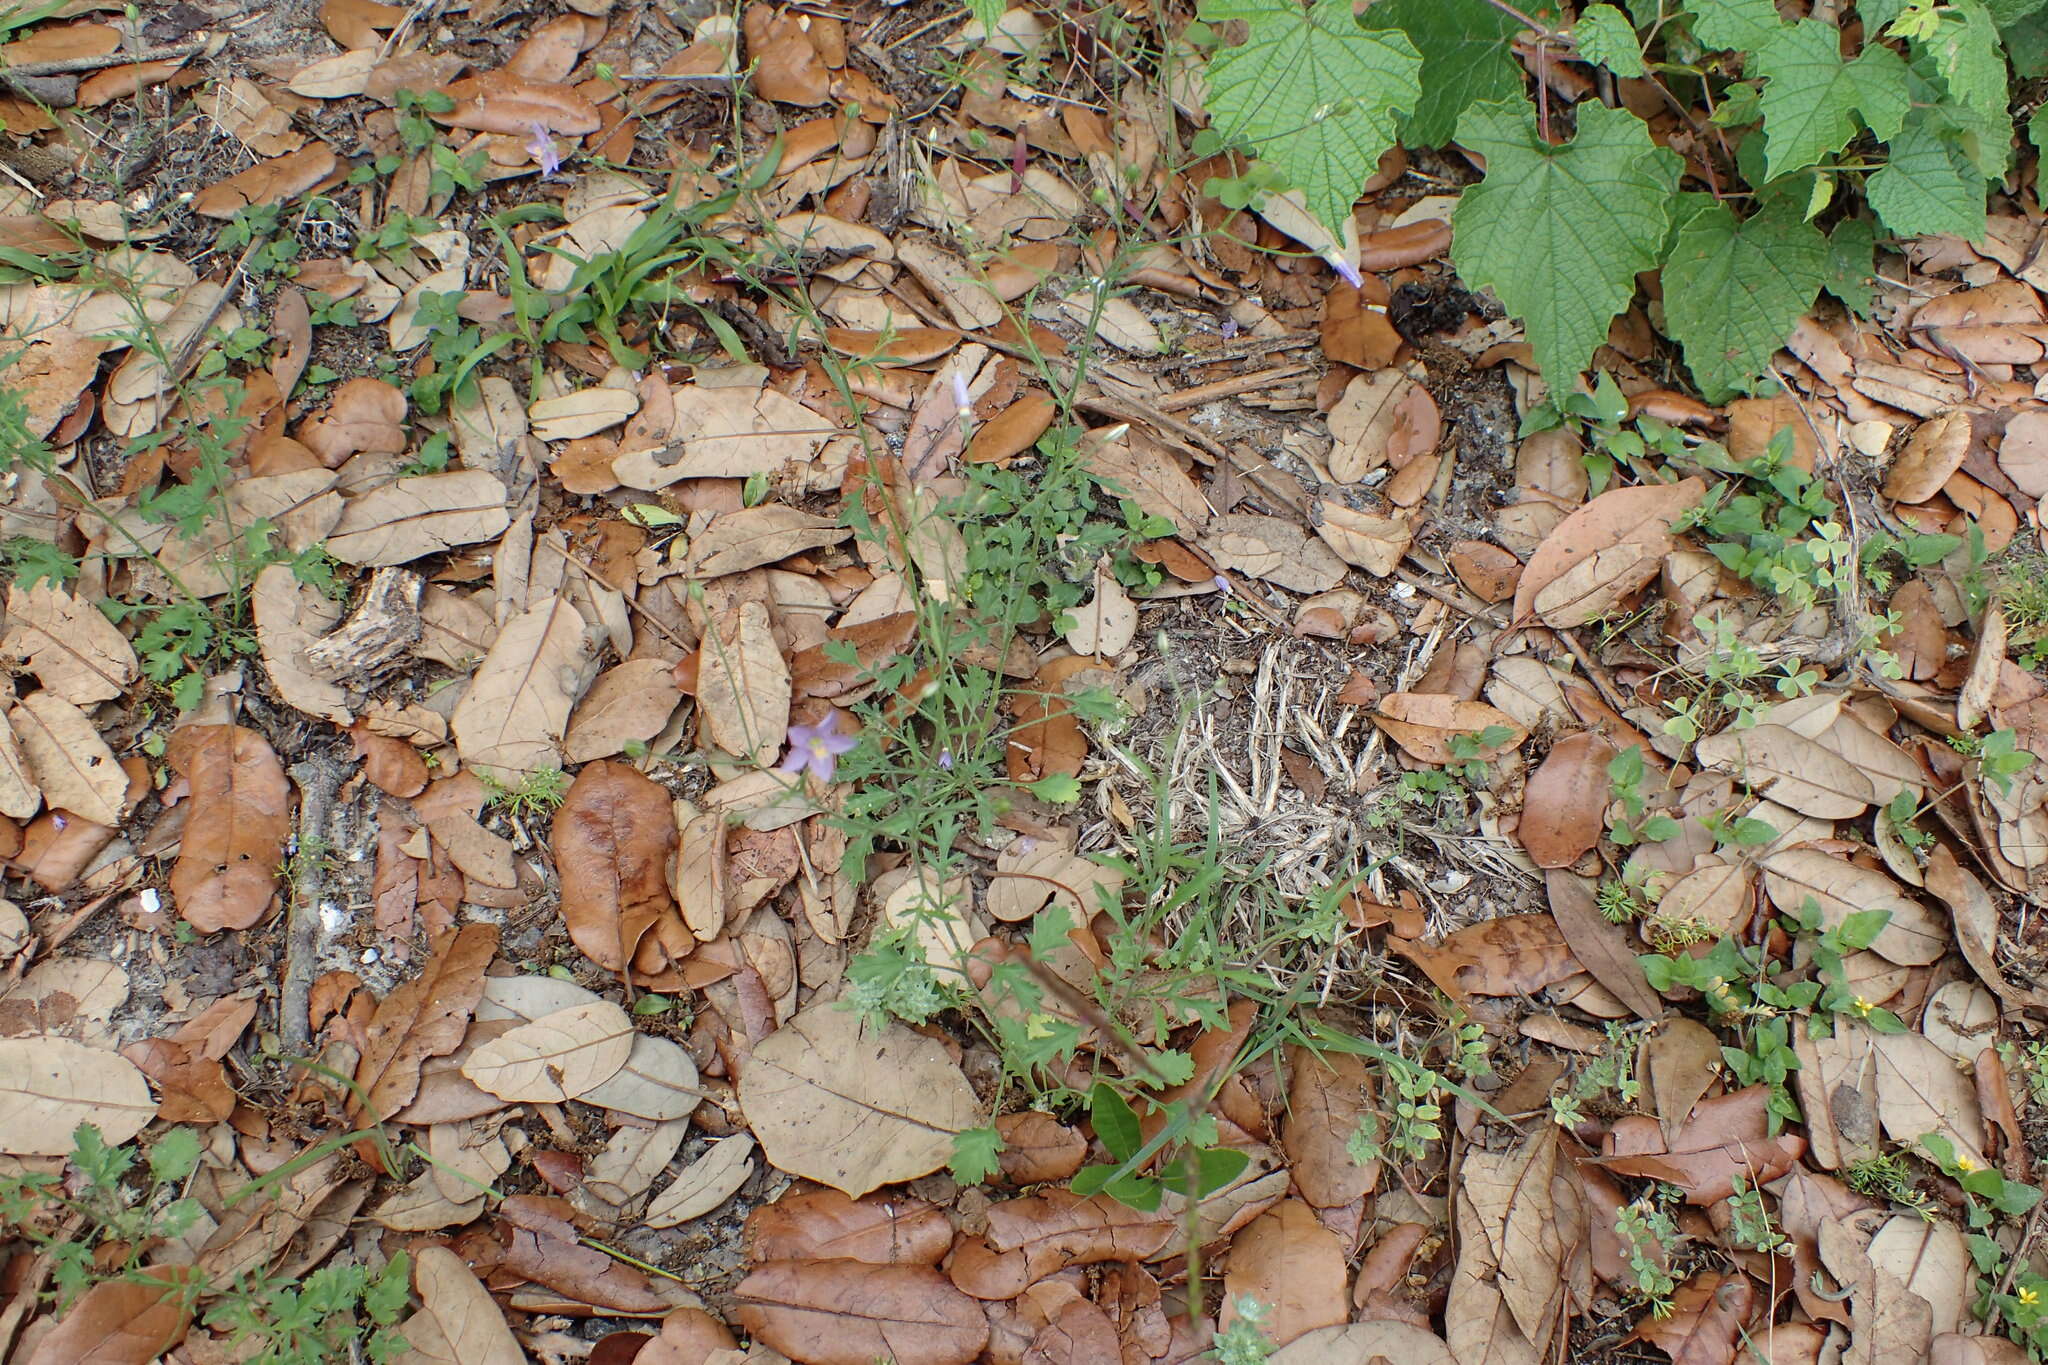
x: 1450, y: 888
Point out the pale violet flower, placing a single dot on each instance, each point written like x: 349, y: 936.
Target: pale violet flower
x: 543, y: 150
x: 1346, y: 271
x: 816, y: 748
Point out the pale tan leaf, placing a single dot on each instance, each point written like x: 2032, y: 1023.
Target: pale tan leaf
x: 743, y: 686
x: 1912, y: 936
x: 1115, y: 320
x: 464, y: 1317
x: 725, y: 433
x: 1509, y: 1194
x: 1274, y: 549
x: 1365, y: 1343
x: 20, y: 798
x: 1790, y: 769
x: 333, y: 78
x: 1287, y: 1260
x: 48, y: 1086
x: 705, y: 1183
x: 72, y: 764
x: 627, y: 704
x: 290, y: 616
x: 557, y: 1057
x: 854, y: 1106
x: 1920, y: 1091
x: 1930, y: 1260
x: 1633, y: 517
x: 420, y: 516
x: 511, y: 719
x: 582, y: 413
x: 71, y: 646
x: 1107, y: 622
x: 753, y: 536
x: 1373, y: 542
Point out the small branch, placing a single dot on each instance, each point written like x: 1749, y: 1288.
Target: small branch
x: 318, y: 781
x: 64, y: 66
x: 1543, y: 31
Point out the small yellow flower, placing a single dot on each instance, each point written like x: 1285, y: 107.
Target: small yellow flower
x: 1965, y: 1165
x: 2028, y: 1297
x: 1861, y: 1006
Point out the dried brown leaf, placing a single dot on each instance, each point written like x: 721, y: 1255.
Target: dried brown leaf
x: 233, y: 849
x: 853, y: 1313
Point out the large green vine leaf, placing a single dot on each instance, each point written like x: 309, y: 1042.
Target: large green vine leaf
x: 1313, y: 95
x: 1811, y: 96
x: 1733, y: 289
x: 1737, y: 25
x: 1467, y: 49
x: 1560, y: 232
x: 1927, y: 186
x: 1965, y: 52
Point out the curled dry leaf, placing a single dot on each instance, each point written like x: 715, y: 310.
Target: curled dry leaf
x: 1422, y: 723
x: 234, y: 842
x: 1050, y: 1231
x: 1564, y: 805
x: 543, y: 1243
x: 854, y: 1313
x: 1507, y: 955
x: 1038, y: 1148
x: 267, y: 182
x: 1706, y: 1320
x: 853, y: 1106
x: 613, y: 837
x: 500, y: 102
x: 48, y: 1086
x: 557, y: 1057
x: 1275, y: 549
x: 1373, y: 542
x: 1601, y: 553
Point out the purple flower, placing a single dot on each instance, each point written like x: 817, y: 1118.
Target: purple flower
x: 1229, y: 328
x: 1346, y: 271
x: 542, y: 147
x: 816, y: 748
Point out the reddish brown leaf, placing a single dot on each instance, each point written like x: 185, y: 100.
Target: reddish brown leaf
x: 393, y: 766
x: 612, y: 840
x: 1628, y: 529
x: 1564, y: 804
x: 119, y: 1322
x: 824, y: 1225
x: 191, y: 1088
x: 1601, y: 947
x: 1705, y: 1323
x: 541, y: 1242
x: 500, y: 102
x: 689, y: 1336
x: 233, y: 849
x: 267, y: 182
x: 1511, y: 955
x: 1058, y: 1228
x: 1038, y: 1148
x: 1286, y: 1259
x: 1327, y: 1096
x: 1724, y: 1138
x: 1422, y: 723
x: 425, y: 1017
x: 850, y: 1313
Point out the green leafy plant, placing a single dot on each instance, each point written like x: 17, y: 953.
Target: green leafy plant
x: 1629, y: 824
x: 1749, y: 1221
x: 535, y: 796
x: 1649, y: 1237
x: 1197, y: 1169
x: 1802, y: 155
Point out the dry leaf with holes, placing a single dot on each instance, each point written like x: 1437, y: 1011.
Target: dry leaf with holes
x: 420, y: 516
x: 556, y: 1057
x: 72, y: 764
x: 854, y: 1105
x: 743, y: 690
x: 234, y: 841
x: 71, y: 646
x: 730, y: 432
x: 754, y: 536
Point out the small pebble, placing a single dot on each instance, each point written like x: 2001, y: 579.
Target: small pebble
x: 369, y: 956
x: 151, y: 901
x: 1872, y: 438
